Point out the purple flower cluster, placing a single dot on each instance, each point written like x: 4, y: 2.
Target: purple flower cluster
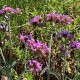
x: 38, y: 46
x: 36, y: 20
x: 65, y: 34
x: 75, y: 44
x: 10, y: 10
x: 35, y: 65
x: 34, y: 45
x: 59, y: 18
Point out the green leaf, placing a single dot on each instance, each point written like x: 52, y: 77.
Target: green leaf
x: 55, y: 74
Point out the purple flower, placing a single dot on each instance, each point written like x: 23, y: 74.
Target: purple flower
x: 9, y: 10
x: 44, y: 49
x: 25, y: 38
x: 69, y: 19
x: 59, y: 36
x: 74, y: 44
x: 59, y: 18
x: 36, y: 20
x: 2, y: 12
x: 35, y: 65
x: 22, y: 38
x: 34, y: 45
x: 31, y: 43
x: 51, y: 17
x: 18, y: 11
x: 65, y: 34
x: 38, y: 46
x: 6, y: 10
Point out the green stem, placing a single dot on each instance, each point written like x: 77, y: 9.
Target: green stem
x: 48, y: 77
x: 10, y: 37
x: 2, y: 55
x: 25, y: 51
x: 77, y: 67
x: 7, y: 17
x: 64, y: 68
x: 76, y: 74
x: 49, y: 57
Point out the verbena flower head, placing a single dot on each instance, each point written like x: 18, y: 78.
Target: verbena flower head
x: 65, y: 34
x: 44, y: 48
x: 59, y: 18
x: 36, y: 20
x: 38, y: 46
x: 35, y: 65
x: 7, y: 10
x: 75, y: 45
x: 34, y: 45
